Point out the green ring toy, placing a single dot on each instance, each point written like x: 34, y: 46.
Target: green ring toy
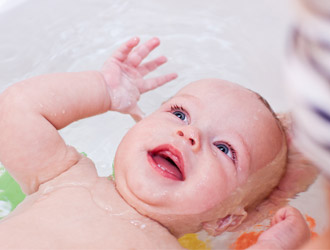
x: 10, y: 193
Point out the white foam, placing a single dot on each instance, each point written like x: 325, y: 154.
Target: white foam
x: 2, y: 169
x: 5, y: 208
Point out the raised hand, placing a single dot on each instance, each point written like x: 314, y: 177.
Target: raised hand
x: 124, y: 75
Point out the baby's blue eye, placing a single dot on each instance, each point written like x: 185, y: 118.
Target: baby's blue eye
x: 180, y: 115
x: 223, y: 148
x: 180, y: 112
x: 228, y: 150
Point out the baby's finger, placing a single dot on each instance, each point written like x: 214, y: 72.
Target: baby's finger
x: 153, y: 83
x: 287, y: 213
x: 142, y: 51
x: 122, y: 52
x: 137, y: 114
x: 146, y: 68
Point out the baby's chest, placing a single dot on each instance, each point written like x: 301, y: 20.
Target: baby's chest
x: 74, y: 217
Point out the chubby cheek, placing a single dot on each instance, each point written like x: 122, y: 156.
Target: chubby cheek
x: 211, y: 187
x: 126, y: 156
x: 134, y: 176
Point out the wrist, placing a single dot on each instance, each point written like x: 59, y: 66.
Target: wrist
x: 111, y: 91
x: 108, y: 96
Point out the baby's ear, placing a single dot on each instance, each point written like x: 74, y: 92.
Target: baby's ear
x: 299, y: 174
x: 227, y: 223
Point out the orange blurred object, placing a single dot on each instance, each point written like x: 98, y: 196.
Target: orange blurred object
x: 246, y: 240
x: 311, y: 224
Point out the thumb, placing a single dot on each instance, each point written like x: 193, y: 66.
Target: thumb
x: 136, y: 113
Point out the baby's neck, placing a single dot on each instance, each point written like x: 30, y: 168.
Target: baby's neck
x: 123, y: 215
x: 104, y: 195
x: 108, y: 198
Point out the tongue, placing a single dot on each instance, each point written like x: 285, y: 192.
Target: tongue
x: 165, y: 165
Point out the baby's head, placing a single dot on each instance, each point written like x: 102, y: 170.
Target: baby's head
x: 204, y: 158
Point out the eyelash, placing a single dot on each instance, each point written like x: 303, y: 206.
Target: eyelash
x: 175, y: 107
x: 233, y: 151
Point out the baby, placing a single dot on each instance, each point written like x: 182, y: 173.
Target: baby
x: 205, y: 159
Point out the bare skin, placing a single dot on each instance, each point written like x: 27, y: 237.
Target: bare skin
x: 69, y: 206
x: 80, y: 210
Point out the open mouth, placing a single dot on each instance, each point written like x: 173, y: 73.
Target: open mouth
x: 167, y: 161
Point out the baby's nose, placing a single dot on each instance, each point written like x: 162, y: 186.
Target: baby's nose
x: 190, y: 134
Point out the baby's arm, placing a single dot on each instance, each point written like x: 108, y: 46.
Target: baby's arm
x: 33, y: 110
x: 288, y: 231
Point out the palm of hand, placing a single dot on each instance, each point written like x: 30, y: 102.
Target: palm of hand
x: 125, y: 76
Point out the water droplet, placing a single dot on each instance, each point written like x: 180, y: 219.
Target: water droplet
x: 134, y: 222
x: 109, y: 209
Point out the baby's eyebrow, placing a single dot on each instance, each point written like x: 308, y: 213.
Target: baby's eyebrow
x: 188, y: 96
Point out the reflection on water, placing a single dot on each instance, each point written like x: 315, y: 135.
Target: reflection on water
x: 241, y: 41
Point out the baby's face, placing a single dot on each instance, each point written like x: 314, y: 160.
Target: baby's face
x: 189, y: 156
